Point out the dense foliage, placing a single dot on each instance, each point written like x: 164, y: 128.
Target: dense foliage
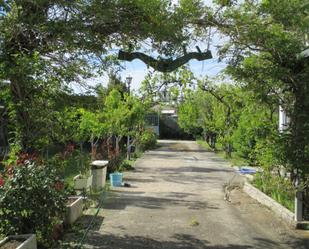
x: 267, y: 40
x: 147, y: 140
x: 45, y: 45
x: 233, y: 118
x: 32, y: 200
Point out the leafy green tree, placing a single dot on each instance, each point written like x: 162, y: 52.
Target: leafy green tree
x: 93, y: 127
x: 213, y: 109
x: 256, y: 129
x: 267, y: 44
x: 123, y: 117
x: 173, y: 83
x: 189, y: 116
x: 47, y: 44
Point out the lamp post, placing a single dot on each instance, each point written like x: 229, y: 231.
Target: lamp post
x: 128, y: 82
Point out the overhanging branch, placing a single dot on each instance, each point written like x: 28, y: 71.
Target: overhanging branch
x: 164, y: 65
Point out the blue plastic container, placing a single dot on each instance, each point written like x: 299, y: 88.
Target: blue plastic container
x: 116, y: 179
x: 247, y: 171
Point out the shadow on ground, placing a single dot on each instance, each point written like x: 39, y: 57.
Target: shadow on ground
x: 120, y: 200
x: 85, y: 220
x: 179, y: 241
x: 194, y: 169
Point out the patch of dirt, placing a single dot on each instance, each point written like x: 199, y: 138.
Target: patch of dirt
x: 179, y: 146
x: 11, y: 244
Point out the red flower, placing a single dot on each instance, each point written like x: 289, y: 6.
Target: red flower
x: 28, y: 158
x: 2, y: 182
x: 59, y: 186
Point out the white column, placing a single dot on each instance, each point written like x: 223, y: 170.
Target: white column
x: 283, y: 119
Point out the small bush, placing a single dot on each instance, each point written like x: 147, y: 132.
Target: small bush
x: 32, y: 200
x: 148, y: 140
x: 70, y: 165
x: 276, y: 187
x: 126, y: 165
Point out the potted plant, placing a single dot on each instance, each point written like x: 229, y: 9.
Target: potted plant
x: 83, y: 181
x: 24, y: 241
x: 74, y: 209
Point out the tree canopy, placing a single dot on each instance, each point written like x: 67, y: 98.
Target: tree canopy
x: 44, y: 45
x: 266, y: 44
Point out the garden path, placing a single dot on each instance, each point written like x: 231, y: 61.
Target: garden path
x: 176, y: 201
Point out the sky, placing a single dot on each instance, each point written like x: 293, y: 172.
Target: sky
x: 138, y: 70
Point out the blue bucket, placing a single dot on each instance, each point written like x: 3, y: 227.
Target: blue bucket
x: 116, y: 179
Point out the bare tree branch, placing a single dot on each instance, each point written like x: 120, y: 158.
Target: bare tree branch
x: 164, y: 65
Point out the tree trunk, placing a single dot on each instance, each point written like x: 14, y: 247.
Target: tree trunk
x: 128, y: 148
x: 94, y: 145
x: 299, y: 126
x: 21, y: 116
x: 228, y: 147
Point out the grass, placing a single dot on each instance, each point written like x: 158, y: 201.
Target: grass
x: 126, y: 165
x: 235, y: 159
x: 277, y: 188
x: 203, y: 144
x: 194, y: 222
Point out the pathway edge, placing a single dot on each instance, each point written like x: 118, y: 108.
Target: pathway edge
x: 285, y: 214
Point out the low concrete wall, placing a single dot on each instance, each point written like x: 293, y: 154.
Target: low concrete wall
x: 74, y: 210
x: 29, y: 241
x: 281, y: 211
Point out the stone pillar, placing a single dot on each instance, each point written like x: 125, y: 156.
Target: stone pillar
x: 98, y: 170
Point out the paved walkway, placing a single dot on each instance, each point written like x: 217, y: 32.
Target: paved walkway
x: 176, y: 201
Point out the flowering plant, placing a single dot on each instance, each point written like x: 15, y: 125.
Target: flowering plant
x: 31, y: 198
x: 2, y: 181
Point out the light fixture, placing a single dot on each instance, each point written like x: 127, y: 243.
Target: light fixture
x: 129, y: 80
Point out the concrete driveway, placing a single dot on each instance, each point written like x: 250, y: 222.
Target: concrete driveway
x: 176, y: 201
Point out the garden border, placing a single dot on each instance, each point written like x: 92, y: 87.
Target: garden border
x: 264, y: 199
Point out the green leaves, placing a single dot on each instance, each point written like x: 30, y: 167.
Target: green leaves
x: 122, y: 115
x: 30, y: 201
x: 266, y: 39
x: 91, y: 125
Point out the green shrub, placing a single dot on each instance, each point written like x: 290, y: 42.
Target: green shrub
x: 70, y: 165
x: 268, y: 153
x: 276, y: 187
x: 126, y: 165
x: 32, y: 201
x: 148, y: 140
